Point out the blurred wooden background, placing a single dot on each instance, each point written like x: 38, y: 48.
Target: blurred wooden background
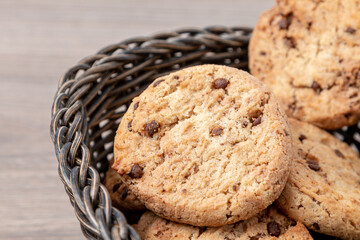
x: 39, y: 41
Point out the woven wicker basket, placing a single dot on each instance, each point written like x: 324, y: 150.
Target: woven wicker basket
x: 93, y: 95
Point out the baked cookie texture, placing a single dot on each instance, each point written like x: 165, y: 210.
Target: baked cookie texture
x: 323, y: 190
x: 121, y: 197
x: 308, y: 53
x: 145, y: 221
x: 268, y: 224
x: 206, y: 146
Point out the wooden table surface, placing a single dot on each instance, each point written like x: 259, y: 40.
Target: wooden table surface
x: 39, y: 41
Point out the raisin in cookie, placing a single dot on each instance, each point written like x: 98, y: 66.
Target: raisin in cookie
x: 323, y: 190
x: 120, y: 195
x: 207, y: 146
x: 268, y: 224
x: 308, y: 53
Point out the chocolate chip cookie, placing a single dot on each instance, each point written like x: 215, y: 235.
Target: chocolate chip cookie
x: 121, y: 197
x: 323, y: 190
x: 308, y: 53
x: 268, y: 224
x: 207, y: 146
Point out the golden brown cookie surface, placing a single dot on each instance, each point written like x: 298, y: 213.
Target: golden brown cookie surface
x: 268, y: 224
x: 206, y: 146
x: 323, y: 190
x: 308, y: 53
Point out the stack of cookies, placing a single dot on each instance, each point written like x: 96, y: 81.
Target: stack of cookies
x: 212, y: 152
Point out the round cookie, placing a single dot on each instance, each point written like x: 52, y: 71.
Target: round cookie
x: 206, y: 146
x: 308, y: 53
x: 121, y: 197
x: 268, y: 224
x: 323, y: 190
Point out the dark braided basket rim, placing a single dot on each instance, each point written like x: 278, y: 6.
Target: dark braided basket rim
x: 93, y: 95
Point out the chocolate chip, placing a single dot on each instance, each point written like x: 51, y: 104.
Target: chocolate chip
x: 226, y: 238
x: 216, y: 131
x: 257, y: 121
x: 220, y: 83
x: 316, y: 87
x: 273, y: 229
x: 116, y: 187
x: 234, y: 188
x: 316, y: 226
x: 152, y: 127
x: 254, y: 115
x: 353, y: 95
x: 285, y: 22
x: 313, y: 165
x: 350, y: 30
x: 302, y: 137
x: 136, y: 171
x: 136, y: 105
x: 157, y: 83
x: 176, y: 77
x: 244, y: 124
x: 339, y: 154
x: 289, y: 42
x: 228, y: 215
x: 286, y: 133
x: 124, y: 193
x: 130, y: 126
x: 262, y: 53
x: 309, y: 24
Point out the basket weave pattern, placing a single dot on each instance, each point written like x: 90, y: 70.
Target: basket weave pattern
x: 93, y: 95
